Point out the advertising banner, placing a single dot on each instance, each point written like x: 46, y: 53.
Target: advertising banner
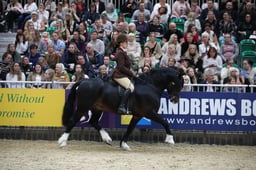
x: 31, y: 107
x: 205, y: 111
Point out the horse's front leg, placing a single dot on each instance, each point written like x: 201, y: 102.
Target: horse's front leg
x: 130, y: 128
x: 94, y: 122
x: 157, y: 118
x: 62, y: 141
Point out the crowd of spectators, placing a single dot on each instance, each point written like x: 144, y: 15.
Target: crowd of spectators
x: 70, y: 41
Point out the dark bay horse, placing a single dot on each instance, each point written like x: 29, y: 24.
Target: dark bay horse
x: 97, y: 96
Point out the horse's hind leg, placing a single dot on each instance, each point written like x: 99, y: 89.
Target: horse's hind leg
x: 157, y: 118
x: 94, y: 122
x: 130, y: 128
x: 72, y: 122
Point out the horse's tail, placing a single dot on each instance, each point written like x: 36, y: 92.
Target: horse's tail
x: 69, y: 107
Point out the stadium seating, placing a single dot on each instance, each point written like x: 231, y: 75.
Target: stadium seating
x: 250, y: 55
x: 247, y: 45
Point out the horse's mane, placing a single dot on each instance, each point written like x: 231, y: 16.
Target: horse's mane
x: 157, y: 75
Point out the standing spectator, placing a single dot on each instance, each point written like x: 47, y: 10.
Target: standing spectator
x: 29, y: 7
x: 52, y: 57
x: 37, y: 75
x: 229, y: 49
x: 5, y: 65
x: 21, y: 44
x: 172, y: 30
x: 213, y: 60
x: 13, y: 11
x: 98, y: 44
x: 15, y: 75
x: 141, y: 9
x: 180, y: 9
x: 33, y: 55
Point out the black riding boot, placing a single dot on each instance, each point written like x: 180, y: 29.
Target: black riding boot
x: 122, y: 107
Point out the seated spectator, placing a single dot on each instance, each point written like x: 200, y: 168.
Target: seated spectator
x: 248, y: 72
x: 193, y: 57
x: 26, y: 66
x: 213, y: 60
x: 33, y: 55
x: 37, y: 75
x: 63, y: 33
x: 60, y: 13
x: 36, y: 37
x: 83, y: 32
x: 86, y: 66
x: 133, y: 49
x: 98, y: 27
x: 43, y: 63
x: 69, y: 57
x: 109, y: 67
x: 246, y: 28
x: 21, y: 44
x: 61, y: 75
x: 44, y: 42
x: 160, y: 4
x: 248, y: 9
x: 58, y: 44
x: 100, y: 6
x: 146, y: 54
x: 11, y: 49
x: 170, y: 54
x: 107, y: 25
x: 98, y: 44
x: 50, y: 6
x: 76, y: 11
x: 103, y: 73
x: 192, y: 20
x: 212, y: 21
x: 112, y: 46
x: 93, y: 57
x: 69, y: 23
x: 155, y: 47
x: 110, y: 12
x: 194, y: 32
x: 233, y: 78
x: 29, y: 7
x: 187, y: 83
x: 49, y: 75
x: 227, y: 25
x: 43, y: 14
x: 195, y: 8
x: 28, y: 30
x: 128, y: 7
x: 141, y: 9
x: 142, y: 28
x: 173, y: 40
x: 78, y: 74
x: 172, y: 30
x: 229, y: 49
x: 209, y: 81
x: 195, y: 77
x: 5, y: 65
x: 210, y: 7
x: 180, y: 9
x: 162, y: 14
x: 224, y: 71
x: 229, y: 8
x: 52, y: 58
x: 155, y: 27
x: 213, y: 38
x: 91, y: 15
x: 187, y: 41
x: 132, y: 29
x: 39, y: 24
x: 205, y: 45
x: 183, y: 64
x: 172, y: 63
x: 15, y: 75
x: 78, y: 40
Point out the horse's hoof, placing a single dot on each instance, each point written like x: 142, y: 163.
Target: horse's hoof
x: 105, y: 137
x: 169, y: 139
x: 124, y: 146
x: 63, y: 144
x: 63, y: 139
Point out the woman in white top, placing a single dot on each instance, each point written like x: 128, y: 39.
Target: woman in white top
x: 170, y: 54
x: 173, y: 40
x: 15, y: 75
x: 133, y: 49
x: 21, y: 43
x: 212, y: 60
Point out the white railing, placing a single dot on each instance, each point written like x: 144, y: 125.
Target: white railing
x: 193, y: 87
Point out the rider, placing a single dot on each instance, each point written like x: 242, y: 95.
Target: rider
x: 122, y: 72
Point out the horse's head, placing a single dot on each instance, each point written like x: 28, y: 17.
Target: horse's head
x: 175, y: 85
